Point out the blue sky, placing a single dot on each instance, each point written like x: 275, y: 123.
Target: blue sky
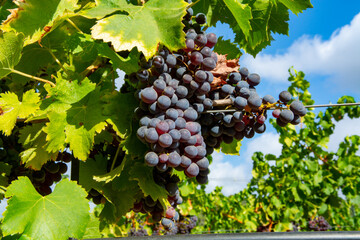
x: 324, y: 43
x: 330, y: 25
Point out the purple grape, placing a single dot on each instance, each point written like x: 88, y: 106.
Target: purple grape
x: 192, y: 170
x: 165, y: 140
x: 211, y: 40
x: 208, y: 63
x: 148, y: 95
x: 196, y: 58
x: 164, y: 102
x: 174, y: 159
x: 151, y: 136
x: 151, y: 159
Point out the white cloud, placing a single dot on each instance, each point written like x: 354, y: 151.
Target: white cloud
x: 346, y: 127
x: 337, y: 58
x: 235, y: 178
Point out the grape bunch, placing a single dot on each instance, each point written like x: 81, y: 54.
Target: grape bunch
x: 50, y: 173
x: 319, y: 224
x: 176, y: 224
x: 138, y: 232
x: 175, y: 89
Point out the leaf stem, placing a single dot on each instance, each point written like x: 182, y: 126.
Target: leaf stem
x: 115, y: 158
x: 74, y: 25
x: 56, y: 59
x: 33, y: 77
x: 192, y: 4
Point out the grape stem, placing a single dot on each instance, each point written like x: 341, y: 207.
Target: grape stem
x: 74, y: 25
x: 33, y: 77
x: 227, y: 102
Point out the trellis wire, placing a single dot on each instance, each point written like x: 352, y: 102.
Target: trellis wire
x: 307, y: 106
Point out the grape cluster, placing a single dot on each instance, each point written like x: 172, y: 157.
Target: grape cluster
x: 50, y: 173
x: 176, y: 224
x: 138, y: 232
x: 319, y: 224
x: 175, y: 93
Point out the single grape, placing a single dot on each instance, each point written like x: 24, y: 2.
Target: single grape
x: 200, y: 76
x: 183, y: 104
x: 244, y: 72
x: 194, y: 85
x: 162, y: 127
x: 192, y: 170
x: 201, y: 151
x: 171, y: 61
x: 180, y: 72
x: 261, y: 119
x: 234, y: 78
x: 199, y: 108
x: 208, y: 104
x: 145, y: 121
x: 210, y: 77
x: 254, y: 101
x: 185, y: 135
x: 268, y: 99
x: 189, y: 42
x: 153, y: 122
x: 200, y: 40
x: 192, y: 141
x: 196, y: 58
x: 174, y: 159
x: 285, y: 97
x: 276, y: 113
x: 244, y: 92
x: 190, y: 114
x: 216, y: 131
x: 240, y: 103
x: 174, y: 83
x: 148, y: 95
x: 151, y: 159
x: 163, y: 158
x: 227, y: 89
x: 151, y: 136
x: 206, y: 52
x: 180, y: 123
x: 296, y: 120
x: 211, y: 40
x: 168, y: 91
x: 259, y: 128
x: 200, y: 18
x: 280, y: 122
x: 191, y: 151
x: 141, y: 133
x: 249, y: 132
x: 158, y: 61
x: 208, y: 63
x: 185, y: 161
x: 298, y: 108
x: 286, y: 116
x: 165, y: 140
x: 253, y: 79
x: 187, y: 78
x: 172, y: 113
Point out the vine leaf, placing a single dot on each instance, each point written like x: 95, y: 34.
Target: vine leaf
x: 75, y: 114
x: 33, y: 15
x: 92, y: 229
x: 232, y: 148
x: 108, y: 177
x: 60, y: 215
x: 11, y: 45
x: 33, y: 140
x: 12, y: 108
x: 120, y: 109
x: 296, y: 6
x: 145, y: 27
x: 226, y: 47
x: 144, y: 176
x: 92, y: 167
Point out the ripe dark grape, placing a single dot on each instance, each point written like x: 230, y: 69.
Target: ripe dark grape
x: 196, y: 58
x: 208, y: 63
x: 286, y: 116
x: 192, y: 170
x: 253, y: 79
x: 276, y: 113
x: 211, y: 40
x: 148, y: 95
x: 151, y: 159
x: 200, y: 18
x: 285, y: 97
x: 200, y: 40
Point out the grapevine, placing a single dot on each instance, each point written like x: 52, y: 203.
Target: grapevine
x: 135, y: 147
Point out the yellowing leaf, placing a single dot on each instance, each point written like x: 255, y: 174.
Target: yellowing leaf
x: 34, y: 15
x: 232, y: 148
x: 12, y: 108
x: 145, y: 27
x: 60, y: 215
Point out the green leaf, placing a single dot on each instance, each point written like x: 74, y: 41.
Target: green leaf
x: 11, y: 45
x: 128, y: 65
x: 92, y: 229
x: 145, y: 27
x: 108, y: 177
x: 232, y: 148
x: 12, y: 109
x: 120, y: 109
x: 60, y: 215
x: 34, y: 15
x: 227, y: 47
x: 75, y: 114
x: 297, y: 6
x: 33, y: 140
x: 4, y: 10
x: 91, y: 168
x: 144, y: 176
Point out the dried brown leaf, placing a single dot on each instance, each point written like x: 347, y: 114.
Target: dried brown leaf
x: 223, y: 68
